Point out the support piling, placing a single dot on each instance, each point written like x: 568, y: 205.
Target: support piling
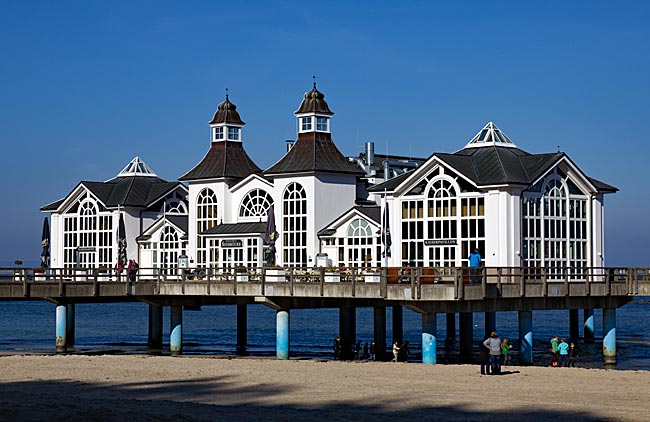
x: 282, y: 334
x: 61, y: 331
x: 588, y: 327
x: 609, y: 336
x: 155, y: 329
x: 380, y: 332
x: 526, y: 337
x: 176, y: 336
x: 466, y: 331
x: 429, y: 338
x: 242, y: 328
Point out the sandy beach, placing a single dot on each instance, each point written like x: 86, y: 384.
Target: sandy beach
x: 117, y: 388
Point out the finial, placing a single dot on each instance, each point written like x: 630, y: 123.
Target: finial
x: 314, y: 81
x: 558, y: 148
x: 226, y: 93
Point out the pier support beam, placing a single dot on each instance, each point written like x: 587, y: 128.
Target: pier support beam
x: 451, y: 326
x: 61, y: 331
x: 155, y: 332
x: 380, y: 332
x: 348, y: 330
x: 526, y: 337
x: 242, y: 329
x: 574, y: 329
x: 429, y: 338
x: 588, y: 325
x: 466, y: 331
x: 282, y: 334
x: 609, y: 336
x: 398, y: 324
x: 490, y: 323
x: 176, y: 328
x: 70, y: 326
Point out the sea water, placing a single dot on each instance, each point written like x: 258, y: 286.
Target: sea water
x: 29, y: 327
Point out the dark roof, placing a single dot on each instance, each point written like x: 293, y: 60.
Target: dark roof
x: 372, y: 212
x: 314, y: 102
x: 130, y: 191
x: 225, y: 159
x: 494, y: 165
x: 53, y: 206
x: 602, y: 186
x: 179, y: 221
x: 226, y: 113
x: 314, y: 152
x: 237, y: 228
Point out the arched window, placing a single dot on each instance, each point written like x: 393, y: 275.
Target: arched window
x: 294, y: 225
x: 169, y: 248
x: 174, y: 205
x: 555, y: 226
x: 206, y: 218
x: 360, y: 241
x: 255, y: 204
x: 87, y: 235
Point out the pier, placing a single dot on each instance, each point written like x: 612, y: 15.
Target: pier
x: 428, y: 291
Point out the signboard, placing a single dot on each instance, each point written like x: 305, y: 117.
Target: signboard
x: 231, y: 243
x: 439, y: 242
x: 183, y: 261
x: 86, y: 249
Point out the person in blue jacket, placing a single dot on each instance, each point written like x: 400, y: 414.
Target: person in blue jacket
x: 474, y: 263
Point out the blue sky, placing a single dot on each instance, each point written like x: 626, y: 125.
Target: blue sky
x: 86, y: 86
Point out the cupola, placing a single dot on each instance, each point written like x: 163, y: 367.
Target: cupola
x: 226, y: 124
x: 313, y: 114
x: 490, y: 135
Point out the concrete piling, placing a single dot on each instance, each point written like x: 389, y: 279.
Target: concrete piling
x: 429, y: 338
x: 61, y: 330
x: 176, y: 336
x: 526, y: 337
x: 609, y: 336
x: 282, y: 334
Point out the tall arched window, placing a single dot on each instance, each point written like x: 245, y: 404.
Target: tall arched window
x: 87, y: 235
x: 206, y: 218
x: 255, y: 204
x: 360, y: 242
x: 169, y: 248
x: 555, y: 226
x: 294, y: 226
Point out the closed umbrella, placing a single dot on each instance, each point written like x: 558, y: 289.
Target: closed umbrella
x: 121, y: 243
x: 269, y: 237
x: 385, y: 237
x: 45, y: 243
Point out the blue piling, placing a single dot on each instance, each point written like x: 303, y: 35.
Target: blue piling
x: 282, y: 334
x: 609, y: 336
x: 70, y: 326
x: 429, y: 338
x: 490, y: 323
x: 61, y: 331
x: 588, y: 325
x: 176, y: 336
x: 526, y: 337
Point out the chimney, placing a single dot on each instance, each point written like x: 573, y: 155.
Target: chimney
x: 370, y: 154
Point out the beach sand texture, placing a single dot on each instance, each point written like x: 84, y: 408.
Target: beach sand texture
x: 149, y: 388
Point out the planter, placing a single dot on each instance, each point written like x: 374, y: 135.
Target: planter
x: 372, y: 277
x: 274, y: 275
x: 331, y: 277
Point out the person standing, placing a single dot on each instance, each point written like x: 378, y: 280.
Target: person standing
x: 474, y: 264
x: 572, y: 355
x: 494, y: 344
x: 337, y: 348
x: 484, y: 358
x: 554, y: 344
x: 365, y: 350
x: 505, y: 351
x: 563, y: 350
x: 395, y: 351
x: 132, y: 269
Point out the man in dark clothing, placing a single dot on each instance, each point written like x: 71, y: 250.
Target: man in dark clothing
x: 484, y: 358
x: 494, y: 345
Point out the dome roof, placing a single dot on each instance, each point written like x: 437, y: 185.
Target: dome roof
x: 314, y: 102
x: 226, y: 113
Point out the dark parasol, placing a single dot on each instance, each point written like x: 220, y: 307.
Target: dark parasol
x: 45, y: 243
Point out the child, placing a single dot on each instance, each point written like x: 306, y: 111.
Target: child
x: 505, y: 351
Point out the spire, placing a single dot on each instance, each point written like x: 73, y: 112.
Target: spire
x: 227, y: 113
x: 137, y: 167
x: 490, y: 135
x: 314, y: 102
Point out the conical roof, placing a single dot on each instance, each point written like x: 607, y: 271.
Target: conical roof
x: 314, y: 102
x: 137, y: 167
x: 227, y: 113
x: 490, y: 135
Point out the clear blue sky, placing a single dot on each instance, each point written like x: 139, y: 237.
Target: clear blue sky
x: 86, y: 86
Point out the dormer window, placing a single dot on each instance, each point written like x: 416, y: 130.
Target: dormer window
x: 218, y: 133
x: 321, y: 124
x: 306, y: 123
x: 233, y: 133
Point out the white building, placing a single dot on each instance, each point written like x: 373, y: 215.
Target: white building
x: 517, y: 208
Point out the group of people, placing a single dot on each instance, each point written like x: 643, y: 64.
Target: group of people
x: 494, y: 354
x: 353, y: 351
x: 131, y: 269
x: 564, y: 354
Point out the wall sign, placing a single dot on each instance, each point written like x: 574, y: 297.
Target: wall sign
x: 439, y: 242
x: 231, y: 243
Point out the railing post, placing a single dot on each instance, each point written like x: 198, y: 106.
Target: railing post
x: 354, y: 281
x: 483, y: 281
x: 321, y: 276
x: 383, y: 282
x: 522, y: 281
x: 263, y: 281
x: 499, y: 281
x: 544, y: 281
x: 459, y: 287
x: 566, y: 280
